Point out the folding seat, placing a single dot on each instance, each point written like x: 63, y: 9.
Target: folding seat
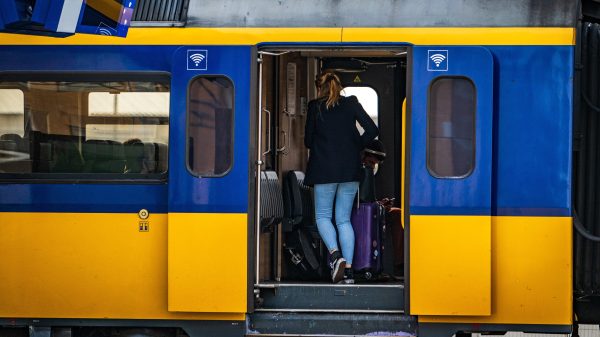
x: 271, y: 202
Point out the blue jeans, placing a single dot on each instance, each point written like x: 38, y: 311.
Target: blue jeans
x: 344, y: 194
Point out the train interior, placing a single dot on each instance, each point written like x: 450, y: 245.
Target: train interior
x: 292, y: 268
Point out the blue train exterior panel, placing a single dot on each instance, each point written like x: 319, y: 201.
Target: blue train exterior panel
x: 227, y: 194
x: 531, y: 151
x: 189, y: 194
x: 470, y: 194
x: 530, y: 103
x: 532, y: 130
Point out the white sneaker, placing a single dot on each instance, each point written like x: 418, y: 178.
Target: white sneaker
x: 337, y: 271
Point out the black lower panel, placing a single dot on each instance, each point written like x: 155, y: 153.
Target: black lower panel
x: 448, y: 329
x: 157, y: 327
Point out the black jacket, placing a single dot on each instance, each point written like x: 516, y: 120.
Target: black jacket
x: 334, y: 141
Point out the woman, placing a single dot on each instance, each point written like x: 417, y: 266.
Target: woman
x: 334, y: 166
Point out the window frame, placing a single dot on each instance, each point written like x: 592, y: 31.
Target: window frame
x: 187, y: 129
x: 88, y: 178
x: 427, y: 137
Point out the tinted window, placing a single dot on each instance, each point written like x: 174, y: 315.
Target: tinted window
x: 75, y: 129
x: 451, y: 127
x: 210, y: 126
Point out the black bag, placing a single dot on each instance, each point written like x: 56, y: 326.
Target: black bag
x: 303, y: 256
x: 292, y: 202
x: 366, y: 190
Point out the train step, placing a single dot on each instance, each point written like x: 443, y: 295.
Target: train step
x: 279, y: 324
x: 330, y: 298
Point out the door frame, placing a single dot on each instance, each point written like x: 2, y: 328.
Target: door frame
x: 405, y: 49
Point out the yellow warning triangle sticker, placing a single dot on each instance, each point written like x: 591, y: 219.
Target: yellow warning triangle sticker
x: 357, y: 79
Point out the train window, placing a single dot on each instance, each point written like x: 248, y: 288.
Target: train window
x: 84, y: 129
x: 451, y: 127
x: 368, y: 98
x: 210, y: 126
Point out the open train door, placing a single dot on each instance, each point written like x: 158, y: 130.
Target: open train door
x: 208, y: 231
x: 450, y: 198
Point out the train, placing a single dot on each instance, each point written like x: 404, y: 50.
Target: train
x: 145, y: 181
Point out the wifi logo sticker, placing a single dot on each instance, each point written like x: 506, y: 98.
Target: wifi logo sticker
x: 105, y: 30
x: 197, y: 59
x: 437, y: 60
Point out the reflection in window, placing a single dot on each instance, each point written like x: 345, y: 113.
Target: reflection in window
x: 79, y: 128
x: 134, y: 104
x: 210, y: 126
x: 367, y: 97
x: 451, y: 127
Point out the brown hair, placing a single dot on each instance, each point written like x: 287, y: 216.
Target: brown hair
x: 329, y: 86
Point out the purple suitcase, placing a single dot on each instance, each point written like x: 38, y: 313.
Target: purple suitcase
x: 367, y: 221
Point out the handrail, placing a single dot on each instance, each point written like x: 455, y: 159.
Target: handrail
x: 269, y: 146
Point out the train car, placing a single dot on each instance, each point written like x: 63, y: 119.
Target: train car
x: 152, y: 185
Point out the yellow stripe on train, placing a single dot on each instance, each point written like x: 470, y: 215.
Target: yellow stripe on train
x: 530, y: 264
x: 251, y: 36
x: 99, y: 265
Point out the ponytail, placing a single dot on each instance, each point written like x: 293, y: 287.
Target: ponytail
x: 329, y: 87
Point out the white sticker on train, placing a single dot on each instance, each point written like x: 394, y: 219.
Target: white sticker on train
x: 197, y: 59
x: 437, y: 60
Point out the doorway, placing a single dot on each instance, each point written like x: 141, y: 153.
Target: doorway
x: 292, y: 272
